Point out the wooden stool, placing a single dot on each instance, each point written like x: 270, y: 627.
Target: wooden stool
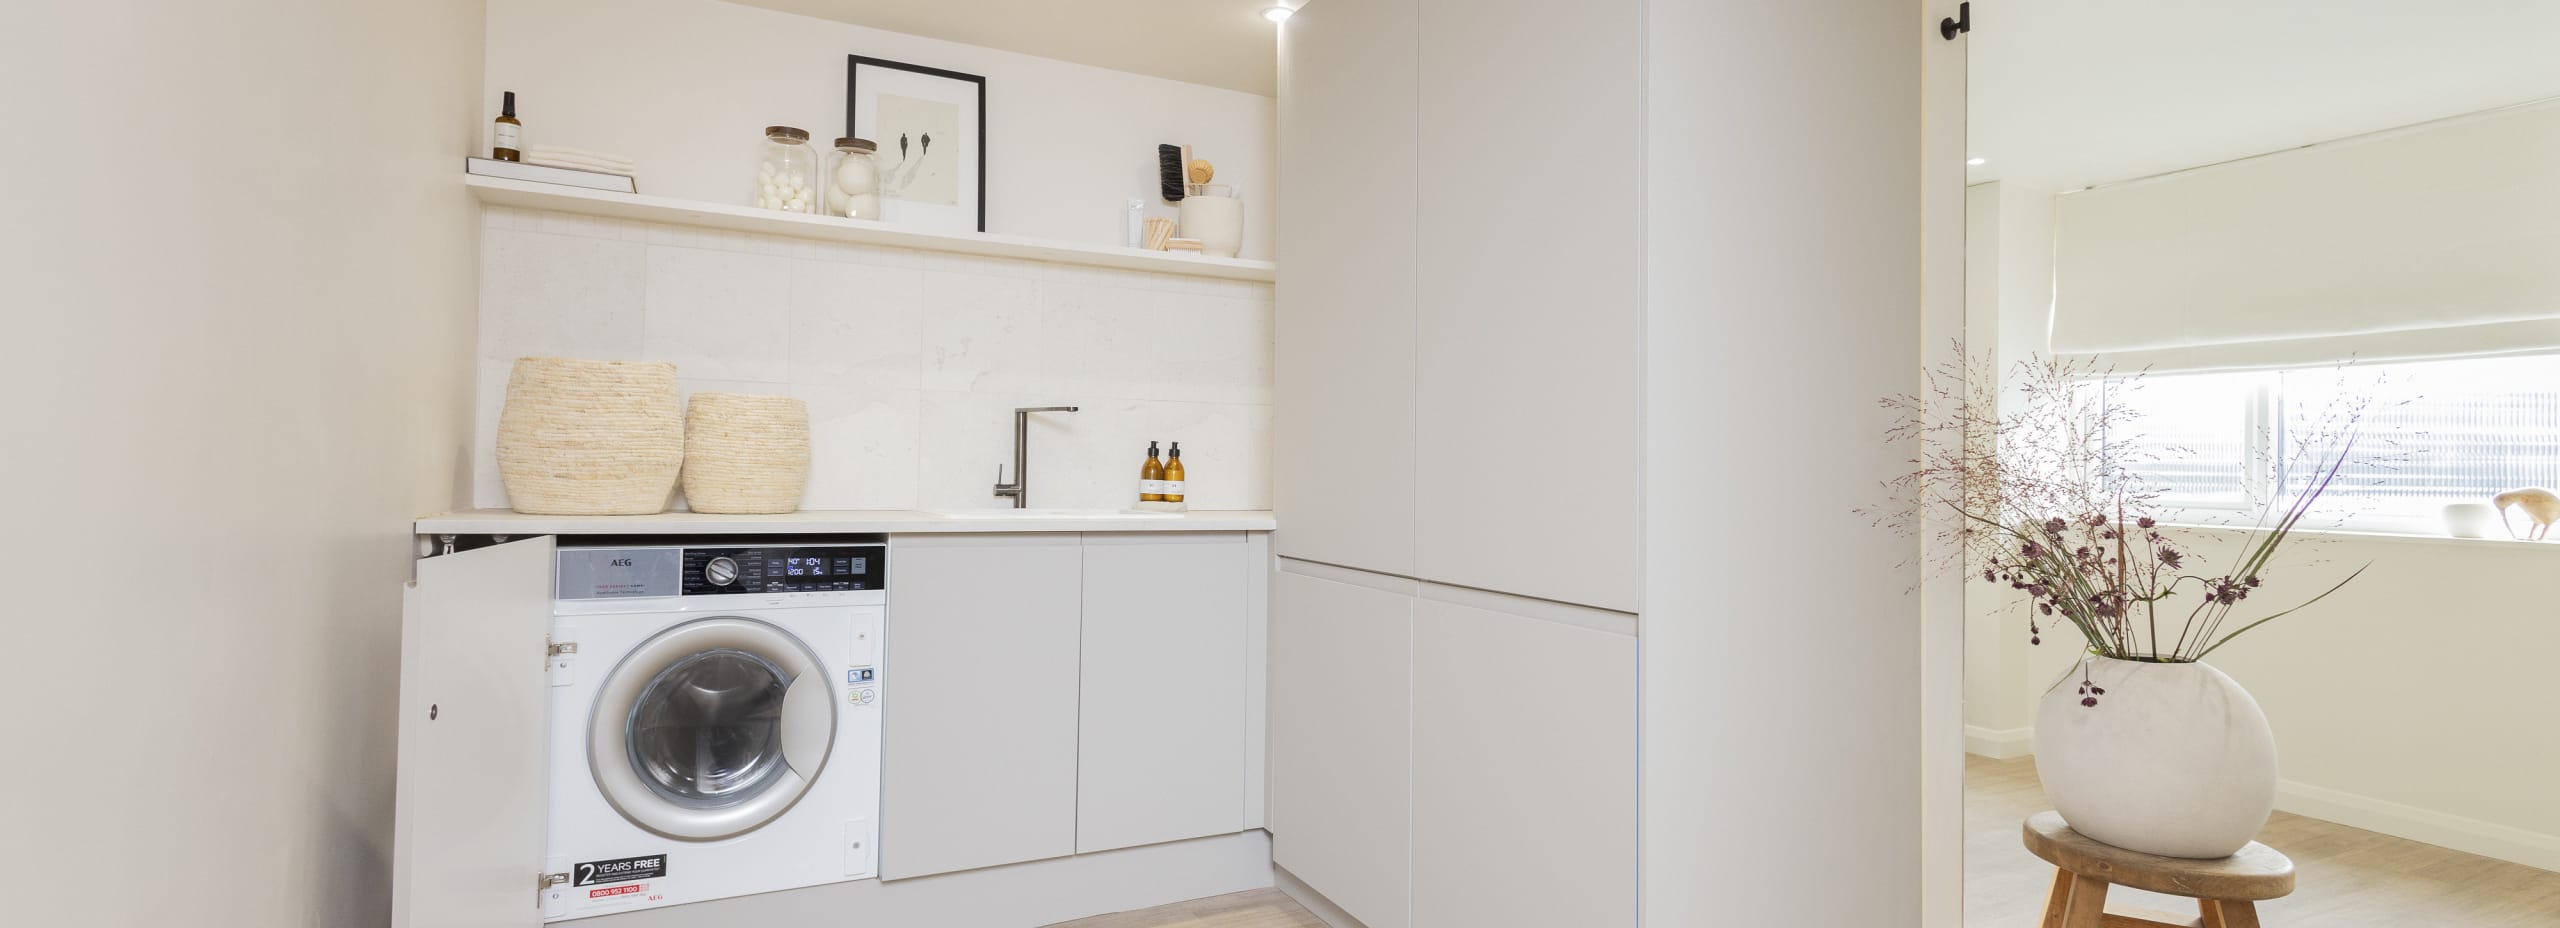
x: 2226, y: 890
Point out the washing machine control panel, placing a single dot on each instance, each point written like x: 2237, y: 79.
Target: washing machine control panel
x: 711, y: 571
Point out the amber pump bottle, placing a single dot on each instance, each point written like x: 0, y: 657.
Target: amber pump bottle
x: 1173, y: 474
x: 1151, y: 478
x: 506, y: 140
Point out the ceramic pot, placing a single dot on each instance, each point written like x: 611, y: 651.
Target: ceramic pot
x: 2472, y: 520
x: 1212, y: 214
x: 2175, y: 759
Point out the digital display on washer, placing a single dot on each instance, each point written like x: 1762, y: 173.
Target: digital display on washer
x: 781, y: 569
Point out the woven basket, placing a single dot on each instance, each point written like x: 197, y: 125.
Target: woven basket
x: 745, y: 454
x: 590, y: 437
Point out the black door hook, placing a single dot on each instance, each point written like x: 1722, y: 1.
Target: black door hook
x: 1959, y: 23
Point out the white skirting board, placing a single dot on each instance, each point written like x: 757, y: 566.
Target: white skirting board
x: 2468, y: 835
x: 1315, y: 903
x: 1039, y: 892
x: 1999, y: 743
x: 2442, y: 829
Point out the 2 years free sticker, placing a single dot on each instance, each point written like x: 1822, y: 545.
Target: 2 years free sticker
x: 618, y: 870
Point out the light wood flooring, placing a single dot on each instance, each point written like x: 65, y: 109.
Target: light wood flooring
x: 1261, y: 908
x: 2345, y: 877
x: 2349, y: 877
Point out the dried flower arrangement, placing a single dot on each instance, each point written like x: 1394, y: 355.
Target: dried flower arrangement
x: 2049, y: 498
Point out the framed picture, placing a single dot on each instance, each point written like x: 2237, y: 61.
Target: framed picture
x: 931, y: 126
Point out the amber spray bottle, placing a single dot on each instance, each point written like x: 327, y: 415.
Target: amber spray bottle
x: 1151, y: 478
x: 1173, y: 474
x: 505, y: 141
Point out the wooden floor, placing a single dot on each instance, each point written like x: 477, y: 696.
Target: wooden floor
x: 1261, y: 908
x: 2349, y: 877
x: 2346, y: 877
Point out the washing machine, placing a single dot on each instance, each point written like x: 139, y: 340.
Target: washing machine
x: 715, y: 720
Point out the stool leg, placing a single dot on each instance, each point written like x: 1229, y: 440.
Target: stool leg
x: 2057, y: 902
x: 2212, y: 912
x: 2089, y: 903
x: 2237, y: 913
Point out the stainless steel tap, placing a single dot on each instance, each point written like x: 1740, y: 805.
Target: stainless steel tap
x: 1020, y: 489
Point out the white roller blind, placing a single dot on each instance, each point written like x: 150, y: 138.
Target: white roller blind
x: 2434, y: 241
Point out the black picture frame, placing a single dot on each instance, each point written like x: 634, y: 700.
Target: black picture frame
x: 853, y: 95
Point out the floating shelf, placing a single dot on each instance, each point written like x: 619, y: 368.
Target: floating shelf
x: 505, y: 522
x: 530, y: 195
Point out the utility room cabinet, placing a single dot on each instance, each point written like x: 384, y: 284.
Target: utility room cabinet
x: 1054, y: 694
x: 1341, y: 741
x: 1524, y: 771
x: 1460, y: 347
x: 467, y: 837
x: 1161, y: 740
x: 1342, y: 446
x: 1529, y: 297
x: 1060, y: 694
x: 978, y: 738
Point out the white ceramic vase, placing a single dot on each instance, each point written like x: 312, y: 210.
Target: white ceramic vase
x: 1216, y: 220
x: 2175, y: 759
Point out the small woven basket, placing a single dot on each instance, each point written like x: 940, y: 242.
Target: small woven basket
x: 745, y: 454
x: 590, y: 437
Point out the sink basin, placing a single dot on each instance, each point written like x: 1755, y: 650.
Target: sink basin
x: 1077, y: 514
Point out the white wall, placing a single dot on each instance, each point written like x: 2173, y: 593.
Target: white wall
x: 2415, y: 702
x: 685, y: 88
x: 1781, y: 736
x: 2408, y: 704
x: 237, y: 350
x: 911, y: 362
x: 2008, y: 308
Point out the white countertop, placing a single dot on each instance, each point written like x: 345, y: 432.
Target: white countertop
x: 827, y: 522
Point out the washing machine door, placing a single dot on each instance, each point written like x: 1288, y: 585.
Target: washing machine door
x: 711, y: 728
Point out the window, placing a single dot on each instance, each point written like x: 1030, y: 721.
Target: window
x: 2432, y: 432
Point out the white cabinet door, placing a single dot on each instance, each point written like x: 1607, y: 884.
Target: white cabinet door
x: 1529, y: 376
x: 1343, y: 434
x: 1340, y: 800
x: 978, y: 757
x: 1160, y: 754
x: 1524, y: 772
x: 467, y: 838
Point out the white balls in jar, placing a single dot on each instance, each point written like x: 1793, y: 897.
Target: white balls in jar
x: 783, y: 187
x: 855, y: 177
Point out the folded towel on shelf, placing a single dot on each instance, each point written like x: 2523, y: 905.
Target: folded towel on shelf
x: 577, y: 162
x: 621, y: 169
x: 587, y: 162
x: 563, y: 151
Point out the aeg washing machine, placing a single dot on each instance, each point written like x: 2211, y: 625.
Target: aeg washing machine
x: 715, y: 721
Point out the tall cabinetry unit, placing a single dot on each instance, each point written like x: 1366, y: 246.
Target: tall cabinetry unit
x: 1458, y: 421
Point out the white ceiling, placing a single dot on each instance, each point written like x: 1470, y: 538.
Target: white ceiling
x: 2069, y: 93
x: 1221, y: 43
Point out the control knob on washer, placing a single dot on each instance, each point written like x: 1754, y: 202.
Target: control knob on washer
x: 720, y: 571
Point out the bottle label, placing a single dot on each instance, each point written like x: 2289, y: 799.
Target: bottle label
x: 1151, y: 487
x: 506, y: 135
x: 1173, y: 488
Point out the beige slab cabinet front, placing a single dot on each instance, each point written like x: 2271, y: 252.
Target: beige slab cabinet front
x: 1450, y: 758
x: 1524, y: 765
x: 1529, y: 301
x: 1057, y: 694
x: 1341, y: 800
x: 1342, y: 448
x: 1459, y: 346
x: 1161, y: 746
x: 978, y: 728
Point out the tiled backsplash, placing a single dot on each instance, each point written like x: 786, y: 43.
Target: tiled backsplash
x: 911, y: 362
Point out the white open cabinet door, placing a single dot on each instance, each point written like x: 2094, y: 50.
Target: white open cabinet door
x: 467, y: 847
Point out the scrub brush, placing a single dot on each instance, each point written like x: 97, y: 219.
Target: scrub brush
x: 1169, y: 167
